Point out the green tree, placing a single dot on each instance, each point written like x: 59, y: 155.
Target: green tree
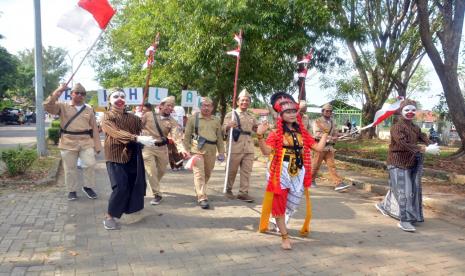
x: 8, y: 69
x: 449, y: 34
x: 383, y: 41
x: 195, y: 36
x: 54, y: 69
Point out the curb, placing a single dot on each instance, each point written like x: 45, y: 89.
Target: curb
x: 49, y: 179
x: 382, y: 165
x: 440, y: 205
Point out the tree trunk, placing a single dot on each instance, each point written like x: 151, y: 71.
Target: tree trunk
x: 456, y: 104
x: 368, y: 115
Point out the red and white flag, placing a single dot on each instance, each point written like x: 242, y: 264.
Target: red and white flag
x: 236, y: 52
x: 385, y: 112
x: 89, y: 17
x: 238, y: 38
x: 307, y: 58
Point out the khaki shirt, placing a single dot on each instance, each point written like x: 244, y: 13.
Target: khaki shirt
x: 168, y: 125
x: 248, y: 123
x: 306, y: 122
x: 85, y: 121
x: 321, y: 124
x: 209, y: 128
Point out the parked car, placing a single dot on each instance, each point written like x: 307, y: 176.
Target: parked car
x: 10, y: 115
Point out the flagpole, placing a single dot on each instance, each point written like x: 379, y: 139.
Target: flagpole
x: 87, y: 53
x: 228, y: 158
x: 149, y: 68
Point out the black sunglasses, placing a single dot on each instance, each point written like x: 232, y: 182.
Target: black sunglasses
x: 80, y: 93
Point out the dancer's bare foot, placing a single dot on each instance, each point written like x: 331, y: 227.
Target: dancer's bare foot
x: 286, y: 242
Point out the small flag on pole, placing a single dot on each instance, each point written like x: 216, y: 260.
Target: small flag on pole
x: 87, y: 18
x: 235, y: 52
x: 385, y: 112
x: 307, y: 58
x: 238, y: 38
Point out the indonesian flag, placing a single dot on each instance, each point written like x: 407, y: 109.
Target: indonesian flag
x: 238, y: 38
x: 235, y: 52
x: 150, y: 59
x: 307, y: 58
x: 87, y: 18
x: 303, y: 73
x: 385, y: 112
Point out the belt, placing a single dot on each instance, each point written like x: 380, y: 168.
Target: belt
x: 246, y: 132
x: 88, y: 132
x: 210, y: 142
x: 327, y: 143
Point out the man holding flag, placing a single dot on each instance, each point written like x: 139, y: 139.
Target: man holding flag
x: 325, y: 124
x: 242, y: 146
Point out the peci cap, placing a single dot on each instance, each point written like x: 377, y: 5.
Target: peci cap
x: 78, y: 88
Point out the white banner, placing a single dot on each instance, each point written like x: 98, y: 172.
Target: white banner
x: 156, y: 94
x: 189, y: 98
x: 65, y: 96
x: 134, y: 95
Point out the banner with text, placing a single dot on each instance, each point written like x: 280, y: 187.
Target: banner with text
x: 190, y: 98
x: 134, y: 95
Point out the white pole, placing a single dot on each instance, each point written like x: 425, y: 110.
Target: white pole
x: 228, y: 159
x: 38, y: 80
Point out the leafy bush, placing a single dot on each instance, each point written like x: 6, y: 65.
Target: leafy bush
x: 54, y: 132
x: 56, y: 123
x: 18, y: 160
x: 54, y: 135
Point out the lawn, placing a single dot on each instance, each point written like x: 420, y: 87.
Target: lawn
x: 377, y: 149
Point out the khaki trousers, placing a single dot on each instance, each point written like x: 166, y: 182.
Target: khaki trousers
x: 69, y: 158
x: 245, y: 162
x: 202, y: 169
x: 155, y: 162
x: 328, y: 157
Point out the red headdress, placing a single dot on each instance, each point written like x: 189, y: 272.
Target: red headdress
x: 282, y: 102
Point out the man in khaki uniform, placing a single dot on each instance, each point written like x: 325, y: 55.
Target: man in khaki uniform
x: 242, y: 147
x: 326, y: 124
x: 203, y: 144
x: 79, y: 138
x: 303, y: 114
x: 156, y: 156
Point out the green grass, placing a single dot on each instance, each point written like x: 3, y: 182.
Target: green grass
x: 378, y: 149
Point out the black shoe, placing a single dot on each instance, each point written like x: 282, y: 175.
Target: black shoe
x: 204, y: 204
x: 72, y: 196
x: 89, y: 192
x: 156, y: 200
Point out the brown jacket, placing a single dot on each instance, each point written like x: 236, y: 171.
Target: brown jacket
x: 168, y: 125
x: 248, y: 123
x: 85, y: 121
x: 121, y: 129
x: 209, y: 128
x: 405, y: 136
x: 321, y: 124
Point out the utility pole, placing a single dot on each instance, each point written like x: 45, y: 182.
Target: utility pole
x: 39, y: 87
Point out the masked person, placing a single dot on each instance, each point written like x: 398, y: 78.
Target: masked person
x: 123, y: 154
x: 159, y: 126
x: 203, y: 137
x: 326, y: 124
x: 405, y: 165
x: 289, y: 168
x: 242, y: 147
x: 79, y: 138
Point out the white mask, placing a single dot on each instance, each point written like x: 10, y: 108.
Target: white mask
x: 409, y: 111
x: 118, y: 99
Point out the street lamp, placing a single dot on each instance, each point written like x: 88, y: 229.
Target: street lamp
x: 71, y: 59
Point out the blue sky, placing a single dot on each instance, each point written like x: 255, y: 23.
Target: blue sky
x: 17, y: 27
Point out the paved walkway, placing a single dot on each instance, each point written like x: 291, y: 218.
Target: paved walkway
x: 43, y: 234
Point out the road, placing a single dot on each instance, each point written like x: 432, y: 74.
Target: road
x: 12, y: 135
